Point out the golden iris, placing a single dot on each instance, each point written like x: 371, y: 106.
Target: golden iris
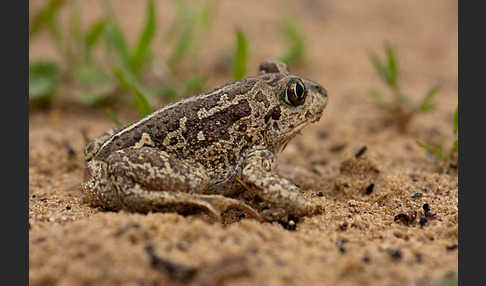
x: 295, y: 92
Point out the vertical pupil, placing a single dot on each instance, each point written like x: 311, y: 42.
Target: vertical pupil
x: 294, y: 90
x: 299, y: 90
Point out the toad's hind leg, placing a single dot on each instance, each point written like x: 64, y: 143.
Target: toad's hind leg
x: 147, y: 179
x: 141, y: 200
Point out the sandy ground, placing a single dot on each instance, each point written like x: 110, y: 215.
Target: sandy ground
x: 391, y: 215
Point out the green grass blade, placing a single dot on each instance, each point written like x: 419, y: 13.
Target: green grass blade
x: 204, y: 19
x: 392, y: 66
x: 92, y: 36
x: 176, y: 25
x: 72, y: 47
x: 188, y: 30
x: 56, y: 34
x: 113, y: 117
x: 75, y: 23
x: 167, y: 92
x: 142, y: 50
x: 44, y: 77
x: 193, y: 85
x: 447, y: 281
x: 428, y: 102
x: 240, y: 61
x: 378, y: 99
x: 53, y: 27
x: 98, y: 95
x: 116, y: 43
x: 380, y: 68
x: 184, y: 42
x: 128, y: 81
x: 456, y: 122
x: 295, y: 40
x: 45, y: 16
x: 441, y: 147
x: 438, y: 153
x: 94, y: 33
x: 121, y: 65
x: 455, y: 145
x: 91, y: 74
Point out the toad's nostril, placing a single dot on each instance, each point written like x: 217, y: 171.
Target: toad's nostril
x: 320, y: 89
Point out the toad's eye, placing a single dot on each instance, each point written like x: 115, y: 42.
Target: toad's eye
x: 295, y: 92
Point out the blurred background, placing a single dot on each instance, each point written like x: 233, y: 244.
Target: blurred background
x: 177, y: 48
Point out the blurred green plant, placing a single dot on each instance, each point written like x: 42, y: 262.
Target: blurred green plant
x: 183, y: 26
x: 193, y: 85
x: 126, y: 64
x: 132, y: 59
x: 175, y: 90
x: 143, y: 53
x: 136, y: 69
x: 44, y: 77
x: 295, y: 40
x: 47, y: 17
x: 184, y: 39
x: 129, y: 83
x: 113, y: 117
x: 189, y: 26
x: 449, y: 280
x: 401, y: 108
x: 240, y: 58
x: 451, y: 156
x: 188, y: 30
x: 75, y: 47
x: 127, y: 67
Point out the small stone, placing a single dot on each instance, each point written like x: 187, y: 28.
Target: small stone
x: 366, y: 259
x: 361, y: 152
x: 369, y: 189
x: 417, y: 195
x: 451, y: 247
x: 395, y: 254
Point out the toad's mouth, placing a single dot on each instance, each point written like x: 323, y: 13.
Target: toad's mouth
x: 296, y: 131
x: 314, y: 116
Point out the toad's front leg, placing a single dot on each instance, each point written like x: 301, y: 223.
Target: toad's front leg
x: 285, y: 197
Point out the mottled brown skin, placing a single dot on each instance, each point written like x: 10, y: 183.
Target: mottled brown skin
x: 195, y: 152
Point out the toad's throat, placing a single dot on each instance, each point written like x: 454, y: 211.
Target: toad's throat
x: 296, y: 131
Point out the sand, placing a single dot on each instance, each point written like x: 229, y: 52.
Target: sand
x: 390, y: 214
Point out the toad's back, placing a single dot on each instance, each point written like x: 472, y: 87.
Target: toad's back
x: 211, y: 128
